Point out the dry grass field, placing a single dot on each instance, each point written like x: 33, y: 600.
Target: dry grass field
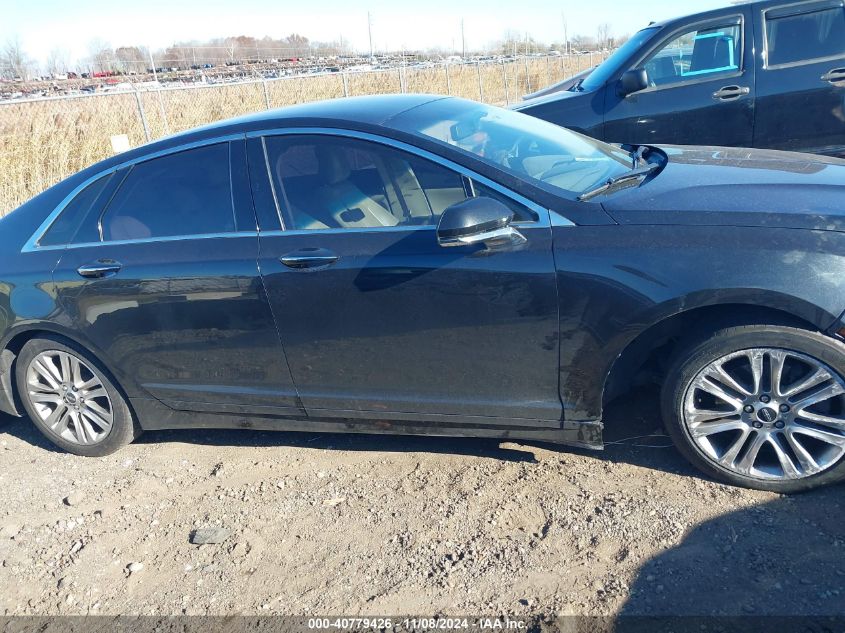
x: 46, y: 140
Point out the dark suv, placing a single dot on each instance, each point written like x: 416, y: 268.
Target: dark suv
x: 765, y: 74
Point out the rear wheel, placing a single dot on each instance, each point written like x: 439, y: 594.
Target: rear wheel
x: 760, y: 406
x: 72, y: 399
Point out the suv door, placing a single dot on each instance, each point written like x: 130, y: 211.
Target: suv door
x: 801, y: 87
x: 161, y: 275
x: 378, y: 320
x: 701, y: 88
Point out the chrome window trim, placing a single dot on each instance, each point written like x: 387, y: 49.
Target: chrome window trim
x: 32, y: 244
x: 542, y: 212
x: 808, y: 11
x: 150, y: 240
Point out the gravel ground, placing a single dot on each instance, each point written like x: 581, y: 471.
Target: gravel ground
x: 341, y: 524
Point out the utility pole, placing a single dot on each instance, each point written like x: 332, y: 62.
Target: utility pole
x: 153, y: 63
x: 565, y: 33
x: 370, y: 28
x: 463, y: 41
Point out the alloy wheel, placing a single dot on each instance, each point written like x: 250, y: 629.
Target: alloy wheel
x: 69, y: 398
x: 768, y: 413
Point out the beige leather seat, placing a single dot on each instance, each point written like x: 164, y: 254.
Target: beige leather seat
x: 339, y: 202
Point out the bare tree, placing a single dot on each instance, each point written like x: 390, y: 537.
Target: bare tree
x: 57, y: 62
x: 298, y: 43
x: 13, y: 60
x: 102, y: 55
x: 582, y: 42
x: 130, y: 59
x: 603, y: 35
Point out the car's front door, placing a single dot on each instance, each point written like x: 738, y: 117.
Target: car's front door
x: 701, y: 89
x: 162, y: 277
x: 801, y: 88
x: 377, y: 319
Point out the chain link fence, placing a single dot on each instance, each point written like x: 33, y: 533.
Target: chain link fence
x: 45, y: 140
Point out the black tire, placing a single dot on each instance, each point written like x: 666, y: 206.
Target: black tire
x: 124, y: 428
x: 703, y: 348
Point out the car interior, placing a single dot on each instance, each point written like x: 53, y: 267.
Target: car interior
x: 338, y: 184
x: 712, y: 51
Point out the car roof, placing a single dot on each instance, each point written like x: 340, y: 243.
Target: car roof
x: 349, y: 112
x: 733, y: 7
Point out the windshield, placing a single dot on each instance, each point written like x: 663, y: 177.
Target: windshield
x: 539, y: 150
x: 608, y: 68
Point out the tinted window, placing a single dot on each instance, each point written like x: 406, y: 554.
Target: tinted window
x: 333, y: 183
x: 696, y: 54
x: 188, y: 193
x: 62, y: 230
x: 803, y: 36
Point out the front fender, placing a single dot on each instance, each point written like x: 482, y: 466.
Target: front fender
x: 617, y: 282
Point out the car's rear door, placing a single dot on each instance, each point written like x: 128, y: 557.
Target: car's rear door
x: 378, y: 320
x: 162, y: 277
x: 801, y: 87
x: 701, y: 88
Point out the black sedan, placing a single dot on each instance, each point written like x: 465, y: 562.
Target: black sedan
x: 429, y: 265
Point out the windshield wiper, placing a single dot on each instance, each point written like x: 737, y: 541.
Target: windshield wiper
x: 628, y: 179
x: 638, y: 155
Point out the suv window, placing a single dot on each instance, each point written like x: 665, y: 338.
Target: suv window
x: 798, y: 34
x: 696, y: 54
x: 326, y: 182
x: 187, y: 193
x: 62, y: 230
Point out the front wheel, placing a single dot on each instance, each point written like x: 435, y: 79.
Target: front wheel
x: 72, y: 399
x: 760, y: 406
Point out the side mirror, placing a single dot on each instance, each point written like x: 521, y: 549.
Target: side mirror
x: 633, y: 81
x: 477, y: 221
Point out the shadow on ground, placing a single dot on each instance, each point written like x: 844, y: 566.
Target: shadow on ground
x: 770, y: 568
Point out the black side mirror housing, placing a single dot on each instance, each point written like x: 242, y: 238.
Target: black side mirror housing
x: 476, y: 221
x: 633, y: 81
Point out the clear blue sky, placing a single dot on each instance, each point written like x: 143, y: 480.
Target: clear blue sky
x: 43, y: 25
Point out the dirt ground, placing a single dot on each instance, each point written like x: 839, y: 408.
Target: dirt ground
x: 345, y: 524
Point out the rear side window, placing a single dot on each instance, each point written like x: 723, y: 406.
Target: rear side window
x: 187, y: 193
x: 801, y: 35
x: 62, y: 230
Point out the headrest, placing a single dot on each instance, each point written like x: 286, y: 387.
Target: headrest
x: 333, y: 164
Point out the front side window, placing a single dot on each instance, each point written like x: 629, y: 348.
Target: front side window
x: 186, y: 193
x: 695, y: 55
x: 795, y: 36
x: 537, y: 150
x: 331, y: 182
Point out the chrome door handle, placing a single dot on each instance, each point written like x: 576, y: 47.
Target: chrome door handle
x: 731, y: 93
x: 835, y: 76
x: 99, y: 269
x: 309, y: 258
